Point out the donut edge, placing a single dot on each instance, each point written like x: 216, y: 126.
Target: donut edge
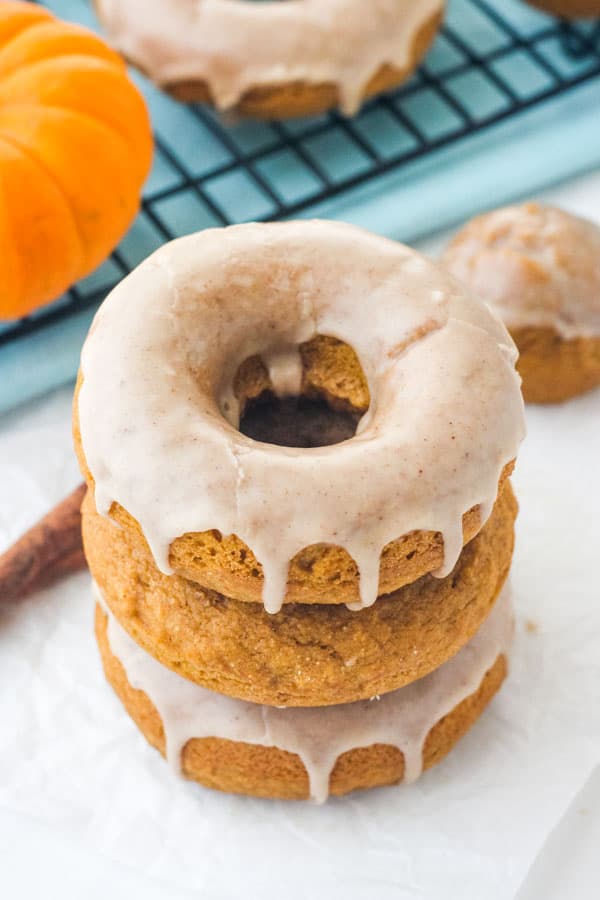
x: 299, y: 99
x: 268, y: 772
x: 553, y: 368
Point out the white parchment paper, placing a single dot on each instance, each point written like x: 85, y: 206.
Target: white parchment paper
x: 470, y: 829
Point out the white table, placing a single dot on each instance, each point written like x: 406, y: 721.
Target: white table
x: 37, y: 860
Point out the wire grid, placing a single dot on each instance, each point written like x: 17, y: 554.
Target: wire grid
x: 493, y: 59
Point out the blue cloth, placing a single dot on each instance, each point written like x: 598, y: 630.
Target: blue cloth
x: 37, y: 363
x: 551, y: 143
x: 514, y: 159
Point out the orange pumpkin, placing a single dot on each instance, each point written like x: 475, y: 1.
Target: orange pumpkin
x: 75, y: 149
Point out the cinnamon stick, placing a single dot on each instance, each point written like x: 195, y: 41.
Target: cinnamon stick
x: 50, y: 550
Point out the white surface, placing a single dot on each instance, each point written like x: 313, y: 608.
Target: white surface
x: 71, y: 760
x: 568, y: 865
x: 39, y: 861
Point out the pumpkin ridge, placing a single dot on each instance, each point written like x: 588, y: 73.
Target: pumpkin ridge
x: 68, y: 110
x: 23, y: 18
x: 26, y: 151
x: 86, y: 58
x: 54, y: 29
x: 17, y: 306
x: 89, y: 261
x: 101, y: 66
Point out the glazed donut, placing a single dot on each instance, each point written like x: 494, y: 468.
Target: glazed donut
x: 306, y: 655
x: 569, y: 9
x: 296, y: 753
x: 274, y: 60
x: 538, y: 268
x: 163, y: 360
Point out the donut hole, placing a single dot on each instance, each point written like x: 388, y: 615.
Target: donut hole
x: 297, y: 422
x: 333, y: 398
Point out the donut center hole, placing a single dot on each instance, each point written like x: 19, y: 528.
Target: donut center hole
x: 297, y: 422
x: 332, y: 398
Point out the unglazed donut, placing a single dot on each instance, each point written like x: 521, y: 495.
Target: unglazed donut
x: 538, y: 268
x: 295, y: 753
x: 274, y: 60
x: 306, y: 655
x: 569, y: 9
x: 165, y: 457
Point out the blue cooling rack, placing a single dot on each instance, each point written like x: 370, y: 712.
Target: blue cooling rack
x: 493, y: 60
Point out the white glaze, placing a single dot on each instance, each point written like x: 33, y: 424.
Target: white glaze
x: 401, y: 719
x: 235, y: 45
x: 535, y: 265
x: 446, y: 410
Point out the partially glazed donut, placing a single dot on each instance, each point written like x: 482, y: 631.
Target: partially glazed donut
x: 538, y: 268
x: 157, y: 411
x: 274, y: 60
x: 295, y: 753
x: 306, y: 655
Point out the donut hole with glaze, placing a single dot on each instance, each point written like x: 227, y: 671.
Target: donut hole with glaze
x: 332, y: 398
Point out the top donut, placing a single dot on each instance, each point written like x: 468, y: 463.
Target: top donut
x: 157, y: 411
x: 274, y: 60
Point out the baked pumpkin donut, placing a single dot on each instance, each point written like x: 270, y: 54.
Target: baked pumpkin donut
x: 538, y: 268
x: 166, y: 363
x: 569, y: 9
x: 75, y: 149
x: 306, y: 655
x: 319, y: 574
x: 296, y: 753
x: 274, y: 60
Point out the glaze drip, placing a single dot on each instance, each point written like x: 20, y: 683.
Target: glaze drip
x: 223, y: 42
x: 285, y: 370
x: 401, y: 719
x: 446, y: 411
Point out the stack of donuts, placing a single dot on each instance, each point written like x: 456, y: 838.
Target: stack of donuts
x: 293, y: 621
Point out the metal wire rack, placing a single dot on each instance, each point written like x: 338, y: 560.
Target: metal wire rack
x: 493, y: 60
